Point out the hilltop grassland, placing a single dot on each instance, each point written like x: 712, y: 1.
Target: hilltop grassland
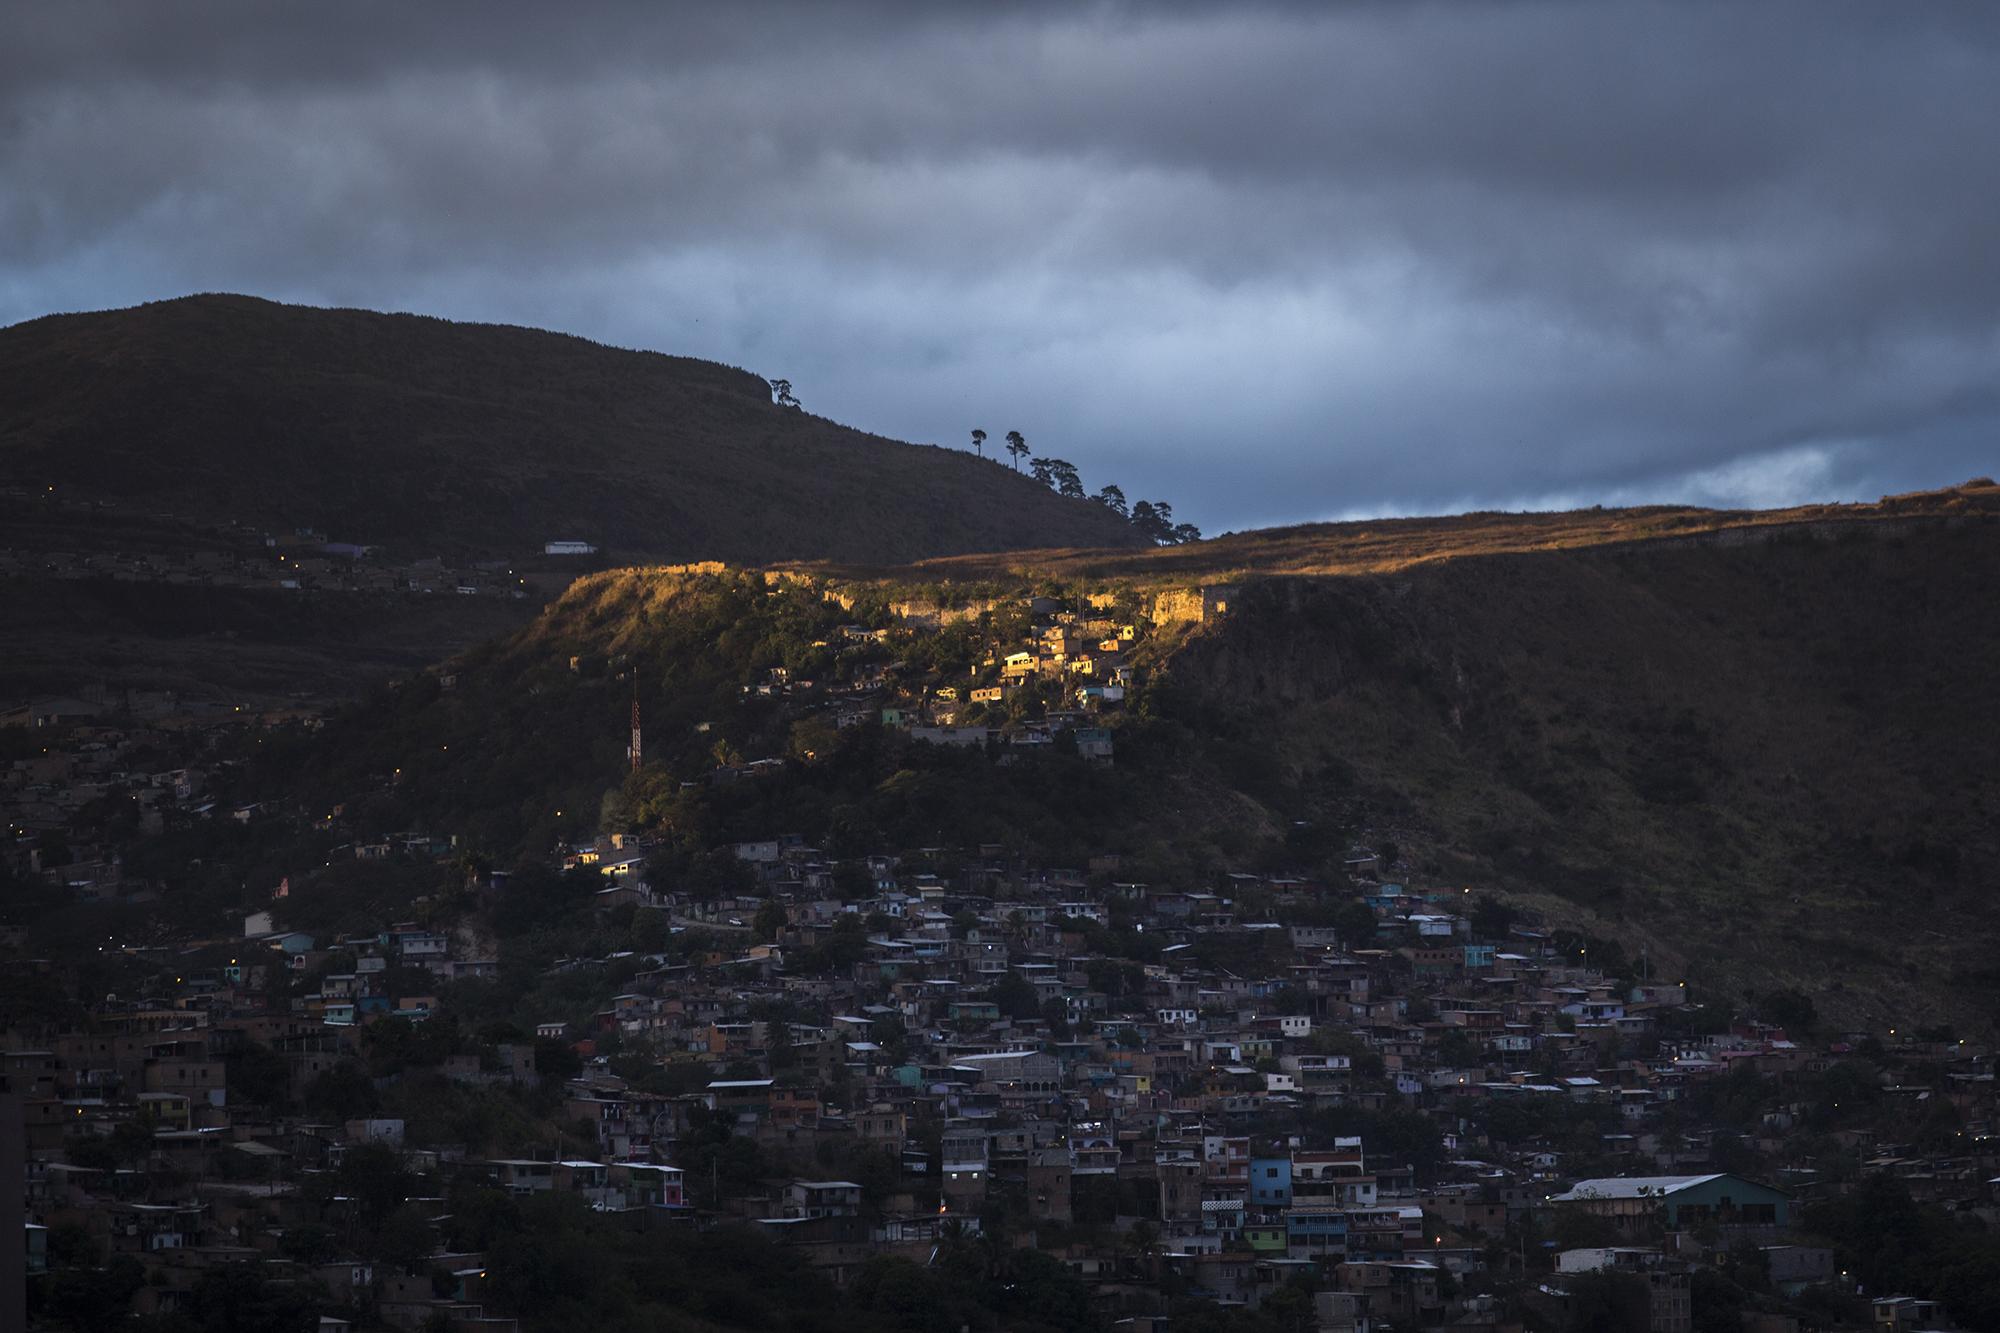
x: 1385, y: 546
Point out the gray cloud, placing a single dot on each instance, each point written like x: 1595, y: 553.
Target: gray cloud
x: 1273, y: 262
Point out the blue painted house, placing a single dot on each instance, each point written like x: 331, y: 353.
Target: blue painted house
x: 1270, y: 1182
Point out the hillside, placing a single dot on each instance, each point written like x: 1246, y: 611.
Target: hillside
x: 218, y: 645
x: 1773, y: 759
x: 428, y: 436
x: 1381, y: 546
x: 1766, y: 754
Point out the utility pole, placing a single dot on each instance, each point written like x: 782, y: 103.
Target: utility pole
x: 13, y: 1214
x: 635, y: 749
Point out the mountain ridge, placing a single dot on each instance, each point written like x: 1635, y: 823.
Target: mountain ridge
x: 1386, y: 545
x: 411, y: 430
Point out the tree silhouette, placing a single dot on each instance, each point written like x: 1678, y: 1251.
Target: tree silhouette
x: 781, y: 393
x: 979, y: 442
x: 1112, y: 498
x: 1143, y: 1240
x: 1063, y: 476
x: 1017, y: 445
x: 1044, y: 470
x: 1155, y: 518
x: 954, y: 1242
x: 1015, y: 997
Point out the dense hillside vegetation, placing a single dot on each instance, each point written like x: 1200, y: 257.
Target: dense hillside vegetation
x: 432, y: 436
x: 1763, y: 754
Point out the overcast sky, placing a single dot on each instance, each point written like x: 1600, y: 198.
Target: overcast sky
x: 1269, y: 262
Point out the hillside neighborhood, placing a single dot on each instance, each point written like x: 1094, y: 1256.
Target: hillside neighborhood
x: 1351, y: 1101
x: 999, y: 668
x: 1523, y: 1123
x: 1347, y: 1095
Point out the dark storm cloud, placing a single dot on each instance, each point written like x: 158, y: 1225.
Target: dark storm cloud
x: 1269, y: 261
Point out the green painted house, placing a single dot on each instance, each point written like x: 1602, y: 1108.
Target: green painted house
x: 1681, y: 1202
